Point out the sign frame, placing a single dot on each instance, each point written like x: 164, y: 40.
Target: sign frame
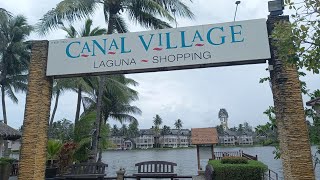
x: 240, y: 30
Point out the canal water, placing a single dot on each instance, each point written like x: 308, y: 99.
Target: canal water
x: 186, y: 159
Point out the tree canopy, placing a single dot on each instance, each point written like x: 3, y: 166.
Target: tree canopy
x: 305, y: 35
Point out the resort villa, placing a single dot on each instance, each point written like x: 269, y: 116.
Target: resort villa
x: 10, y: 136
x: 232, y: 138
x: 147, y: 139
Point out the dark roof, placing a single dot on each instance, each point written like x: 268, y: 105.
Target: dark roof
x: 235, y: 133
x: 8, y: 133
x: 314, y: 102
x: 185, y: 132
x: 146, y: 132
x: 246, y: 133
x: 230, y: 133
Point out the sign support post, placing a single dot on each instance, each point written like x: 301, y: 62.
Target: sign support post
x: 212, y: 151
x: 290, y: 118
x: 33, y: 153
x: 198, y: 156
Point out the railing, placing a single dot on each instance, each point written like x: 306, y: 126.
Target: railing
x: 248, y: 156
x: 220, y: 155
x: 270, y: 175
x: 134, y: 177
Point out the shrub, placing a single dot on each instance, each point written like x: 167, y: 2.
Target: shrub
x: 6, y: 160
x: 65, y: 157
x: 234, y: 160
x: 253, y: 170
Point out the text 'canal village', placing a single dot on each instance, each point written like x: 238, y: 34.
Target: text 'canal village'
x: 215, y: 36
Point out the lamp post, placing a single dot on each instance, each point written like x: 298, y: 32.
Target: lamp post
x: 235, y: 13
x: 174, y: 14
x: 276, y: 7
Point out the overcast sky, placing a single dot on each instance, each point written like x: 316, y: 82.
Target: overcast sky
x: 194, y: 96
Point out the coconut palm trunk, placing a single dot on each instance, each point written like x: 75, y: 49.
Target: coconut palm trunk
x: 4, y: 112
x: 102, y: 84
x: 54, y: 108
x: 78, y: 105
x: 179, y: 141
x: 95, y: 142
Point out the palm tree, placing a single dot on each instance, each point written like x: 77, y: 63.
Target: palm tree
x: 165, y: 130
x: 133, y: 129
x: 10, y: 85
x: 117, y: 97
x: 240, y: 128
x: 14, y: 56
x: 157, y: 121
x: 178, y: 125
x: 59, y: 86
x: 124, y: 130
x: 4, y: 18
x: 54, y: 147
x: 115, y: 130
x: 144, y: 12
x: 82, y: 83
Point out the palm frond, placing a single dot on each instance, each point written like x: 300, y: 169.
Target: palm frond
x: 123, y: 117
x: 87, y: 28
x: 121, y: 25
x: 10, y: 94
x: 181, y: 9
x: 69, y: 10
x: 71, y: 32
x: 147, y: 20
x: 97, y: 31
x: 149, y: 7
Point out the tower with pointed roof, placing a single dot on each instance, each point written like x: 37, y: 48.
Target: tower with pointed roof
x: 223, y: 116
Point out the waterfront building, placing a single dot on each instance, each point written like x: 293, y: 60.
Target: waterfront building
x: 232, y: 138
x: 117, y: 141
x: 228, y: 138
x: 176, y: 138
x: 245, y: 138
x: 146, y: 139
x: 7, y: 135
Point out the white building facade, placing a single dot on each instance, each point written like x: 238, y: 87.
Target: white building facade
x: 146, y: 139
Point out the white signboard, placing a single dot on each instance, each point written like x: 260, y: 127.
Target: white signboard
x: 241, y: 42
